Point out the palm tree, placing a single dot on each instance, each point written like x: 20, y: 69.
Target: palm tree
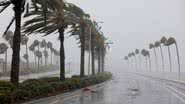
x: 172, y: 41
x: 37, y: 53
x: 9, y: 38
x: 158, y: 44
x: 152, y: 46
x: 24, y: 41
x: 164, y: 42
x: 143, y: 52
x: 50, y: 46
x: 126, y: 59
x: 43, y: 44
x: 18, y: 10
x: 82, y: 29
x: 57, y: 20
x: 148, y: 54
x: 137, y: 52
x: 130, y: 56
x: 32, y: 49
x: 56, y: 54
x: 133, y: 54
x: 3, y: 50
x: 39, y: 56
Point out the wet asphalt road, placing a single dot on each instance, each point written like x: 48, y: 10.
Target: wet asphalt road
x: 125, y: 88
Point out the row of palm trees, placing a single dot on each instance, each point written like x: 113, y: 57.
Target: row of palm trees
x: 49, y: 17
x: 37, y: 53
x: 164, y: 42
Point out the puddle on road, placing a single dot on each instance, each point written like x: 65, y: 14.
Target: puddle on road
x: 133, y: 89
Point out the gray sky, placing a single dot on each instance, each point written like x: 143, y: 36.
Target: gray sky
x: 130, y: 24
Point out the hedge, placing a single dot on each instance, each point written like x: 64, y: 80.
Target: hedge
x: 36, y: 88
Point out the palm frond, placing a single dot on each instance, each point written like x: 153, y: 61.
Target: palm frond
x: 8, y: 27
x: 4, y: 7
x: 4, y: 3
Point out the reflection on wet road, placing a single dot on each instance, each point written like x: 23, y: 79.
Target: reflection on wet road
x: 123, y: 89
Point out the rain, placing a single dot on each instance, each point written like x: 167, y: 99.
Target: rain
x: 92, y: 52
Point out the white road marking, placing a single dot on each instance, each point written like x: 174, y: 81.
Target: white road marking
x: 168, y: 89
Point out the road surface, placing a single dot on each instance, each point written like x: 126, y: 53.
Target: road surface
x: 124, y: 88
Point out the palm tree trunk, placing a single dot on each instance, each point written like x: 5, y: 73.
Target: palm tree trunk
x: 51, y: 57
x: 92, y: 55
x: 179, y: 67
x: 169, y: 53
x: 27, y: 61
x: 103, y: 60
x: 135, y: 62
x: 93, y: 62
x: 132, y: 61
x: 101, y: 57
x: 41, y: 62
x: 156, y: 61
x: 16, y: 42
x: 62, y: 54
x: 35, y: 60
x: 99, y: 61
x: 149, y: 63
x: 82, y: 56
x: 162, y: 57
x: 38, y: 58
x: 45, y: 57
x: 146, y: 63
x: 5, y: 70
x: 140, y: 60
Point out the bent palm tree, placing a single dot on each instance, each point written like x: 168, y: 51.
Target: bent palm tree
x: 18, y: 10
x: 32, y: 49
x: 130, y: 56
x: 152, y: 46
x: 164, y: 42
x: 126, y: 59
x: 138, y: 53
x: 172, y: 41
x: 43, y: 44
x: 57, y: 20
x: 143, y: 52
x: 3, y: 50
x: 158, y: 44
x: 148, y: 54
x: 133, y: 54
x: 37, y: 44
x: 50, y: 46
x: 24, y: 41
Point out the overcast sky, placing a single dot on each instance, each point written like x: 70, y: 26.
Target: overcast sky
x: 130, y: 24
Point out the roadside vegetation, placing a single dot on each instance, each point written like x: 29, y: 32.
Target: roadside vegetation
x: 43, y: 87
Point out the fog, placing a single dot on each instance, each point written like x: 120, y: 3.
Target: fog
x: 129, y: 24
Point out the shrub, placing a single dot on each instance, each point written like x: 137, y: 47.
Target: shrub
x: 59, y: 86
x: 75, y: 82
x: 50, y: 79
x: 5, y: 98
x: 46, y: 89
x: 21, y: 94
x: 45, y: 86
x: 33, y: 86
x: 34, y: 81
x: 6, y: 86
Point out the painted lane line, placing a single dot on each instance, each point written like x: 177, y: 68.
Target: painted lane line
x: 168, y: 89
